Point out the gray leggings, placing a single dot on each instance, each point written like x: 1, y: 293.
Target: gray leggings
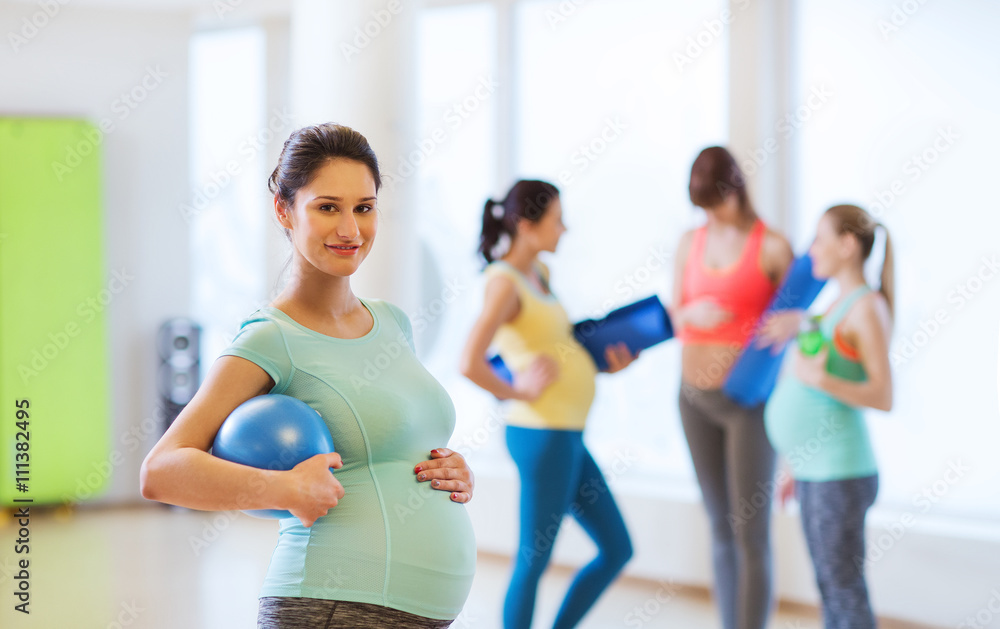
x: 285, y: 612
x: 734, y: 462
x: 833, y: 517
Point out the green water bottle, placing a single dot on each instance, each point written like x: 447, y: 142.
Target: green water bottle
x: 810, y: 338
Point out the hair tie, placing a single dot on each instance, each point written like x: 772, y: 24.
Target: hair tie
x: 501, y: 247
x: 497, y: 211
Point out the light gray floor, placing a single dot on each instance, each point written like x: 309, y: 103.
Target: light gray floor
x: 161, y: 568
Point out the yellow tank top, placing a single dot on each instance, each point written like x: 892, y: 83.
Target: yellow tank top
x: 542, y: 327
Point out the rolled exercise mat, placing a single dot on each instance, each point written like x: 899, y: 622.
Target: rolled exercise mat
x: 756, y: 370
x: 639, y: 325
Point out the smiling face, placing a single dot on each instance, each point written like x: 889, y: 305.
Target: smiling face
x: 831, y: 250
x: 332, y: 221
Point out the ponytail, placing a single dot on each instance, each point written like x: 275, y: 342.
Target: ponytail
x: 527, y: 199
x: 493, y: 230
x: 851, y: 219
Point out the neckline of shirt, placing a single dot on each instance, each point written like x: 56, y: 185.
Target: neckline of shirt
x: 280, y: 314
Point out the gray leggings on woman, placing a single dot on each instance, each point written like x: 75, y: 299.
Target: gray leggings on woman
x: 286, y: 612
x: 734, y: 462
x: 833, y: 517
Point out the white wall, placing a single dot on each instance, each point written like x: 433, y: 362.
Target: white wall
x: 78, y: 65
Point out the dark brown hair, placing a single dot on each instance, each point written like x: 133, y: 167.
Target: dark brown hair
x: 308, y: 148
x: 850, y: 219
x: 715, y: 175
x: 528, y: 199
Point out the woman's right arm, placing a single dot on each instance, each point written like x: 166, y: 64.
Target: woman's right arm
x: 500, y: 306
x: 180, y: 471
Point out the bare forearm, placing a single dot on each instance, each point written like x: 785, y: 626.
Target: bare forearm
x: 192, y: 478
x: 482, y: 375
x: 869, y: 394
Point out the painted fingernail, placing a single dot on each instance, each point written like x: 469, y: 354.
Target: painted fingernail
x: 435, y: 483
x: 435, y: 451
x: 422, y: 477
x: 417, y: 469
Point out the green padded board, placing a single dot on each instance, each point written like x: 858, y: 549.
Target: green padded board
x: 54, y: 294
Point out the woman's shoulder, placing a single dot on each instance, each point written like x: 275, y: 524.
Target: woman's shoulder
x: 383, y: 308
x: 502, y: 273
x: 869, y: 309
x: 264, y: 328
x: 776, y: 253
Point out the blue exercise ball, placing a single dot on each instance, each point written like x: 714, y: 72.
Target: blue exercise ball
x: 274, y: 432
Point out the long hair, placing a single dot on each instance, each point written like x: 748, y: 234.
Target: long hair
x: 850, y: 219
x: 715, y: 175
x: 528, y: 199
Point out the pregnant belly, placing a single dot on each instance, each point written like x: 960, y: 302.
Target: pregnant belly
x: 432, y: 547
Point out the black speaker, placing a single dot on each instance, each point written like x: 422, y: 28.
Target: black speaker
x: 178, y: 345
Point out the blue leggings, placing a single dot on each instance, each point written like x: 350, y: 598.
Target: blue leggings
x: 558, y: 476
x: 833, y: 517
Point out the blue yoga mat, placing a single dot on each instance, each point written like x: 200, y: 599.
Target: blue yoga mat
x: 756, y: 370
x: 640, y: 325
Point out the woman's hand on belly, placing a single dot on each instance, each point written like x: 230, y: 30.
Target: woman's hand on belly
x: 530, y: 383
x: 447, y: 470
x: 705, y: 314
x: 311, y: 489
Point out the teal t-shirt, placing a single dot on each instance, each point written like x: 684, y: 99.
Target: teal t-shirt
x: 391, y: 541
x: 822, y: 438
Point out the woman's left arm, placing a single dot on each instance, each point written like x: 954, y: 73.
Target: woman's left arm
x: 447, y: 470
x: 869, y: 325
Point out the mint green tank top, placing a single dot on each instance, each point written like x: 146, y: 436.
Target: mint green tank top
x: 391, y: 541
x: 821, y: 437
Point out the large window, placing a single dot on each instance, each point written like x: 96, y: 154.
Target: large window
x: 908, y: 129
x: 227, y: 209
x: 611, y: 102
x: 613, y: 108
